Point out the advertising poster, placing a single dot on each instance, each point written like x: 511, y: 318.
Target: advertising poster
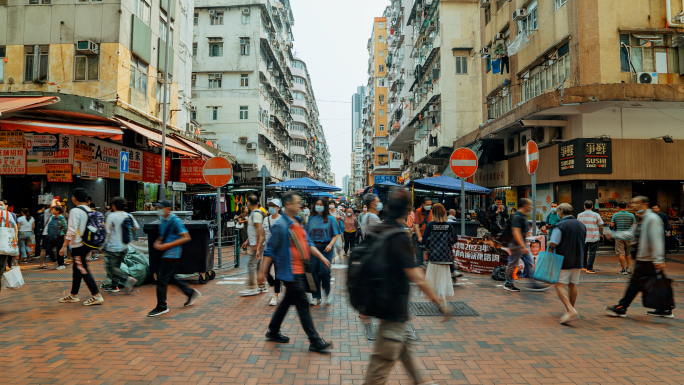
x: 534, y: 246
x: 475, y: 256
x: 108, y: 153
x: 102, y: 170
x: 82, y: 152
x: 543, y: 200
x: 59, y: 173
x: 41, y: 142
x: 12, y: 161
x: 46, y: 149
x: 89, y: 170
x: 511, y: 198
x: 11, y: 139
x: 191, y: 171
x: 152, y: 167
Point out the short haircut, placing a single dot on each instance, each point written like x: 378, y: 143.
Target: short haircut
x: 566, y: 209
x: 498, y: 198
x: 554, y: 203
x: 535, y: 242
x: 252, y: 199
x: 398, y: 201
x: 80, y: 194
x: 658, y: 206
x: 288, y: 197
x: 588, y: 204
x: 524, y: 201
x: 428, y: 199
x: 452, y: 211
x: 622, y: 204
x: 59, y: 209
x: 120, y: 203
x: 368, y: 199
x: 642, y: 199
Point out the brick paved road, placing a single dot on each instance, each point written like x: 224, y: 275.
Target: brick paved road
x: 516, y: 340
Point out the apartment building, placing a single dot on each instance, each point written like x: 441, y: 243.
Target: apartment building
x: 434, y: 81
x: 357, y: 167
x: 597, y: 85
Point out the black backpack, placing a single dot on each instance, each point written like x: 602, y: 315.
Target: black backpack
x: 127, y: 227
x: 499, y: 273
x: 370, y: 291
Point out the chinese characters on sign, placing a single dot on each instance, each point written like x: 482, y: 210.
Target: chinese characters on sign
x: 102, y: 170
x: 12, y: 161
x: 47, y: 149
x: 191, y: 171
x: 152, y: 168
x: 472, y: 255
x: 11, y: 139
x: 585, y: 156
x: 89, y: 170
x: 492, y: 175
x: 82, y: 152
x: 59, y: 173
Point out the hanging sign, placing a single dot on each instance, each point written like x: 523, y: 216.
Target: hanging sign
x: 585, y: 156
x: 13, y: 139
x: 82, y: 152
x: 89, y: 170
x: 41, y: 142
x: 152, y: 167
x: 59, y: 173
x: 191, y: 171
x: 12, y: 161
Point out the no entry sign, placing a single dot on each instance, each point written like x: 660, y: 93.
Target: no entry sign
x: 463, y: 162
x: 532, y: 157
x: 217, y: 171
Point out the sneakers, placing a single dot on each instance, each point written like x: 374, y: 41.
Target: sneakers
x: 60, y: 267
x: 70, y: 299
x: 591, y: 271
x: 94, y: 300
x: 511, y: 287
x: 567, y: 317
x: 538, y: 287
x: 263, y: 289
x: 249, y: 292
x: 195, y: 295
x: 623, y: 272
x: 112, y: 289
x: 130, y: 283
x: 319, y: 345
x: 329, y: 299
x: 315, y: 302
x: 629, y: 270
x: 457, y: 274
x: 274, y: 301
x: 661, y: 313
x: 157, y: 311
x: 616, y: 311
x: 277, y: 337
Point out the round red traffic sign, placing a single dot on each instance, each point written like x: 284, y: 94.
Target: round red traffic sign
x: 217, y: 171
x: 463, y: 162
x: 532, y: 157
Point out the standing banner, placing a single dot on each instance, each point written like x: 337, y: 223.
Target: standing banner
x: 59, y: 173
x: 11, y: 139
x: 152, y: 167
x: 12, y: 161
x: 191, y: 171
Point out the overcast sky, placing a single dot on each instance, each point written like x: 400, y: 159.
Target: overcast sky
x: 331, y: 37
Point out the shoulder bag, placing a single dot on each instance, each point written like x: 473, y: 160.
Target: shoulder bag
x: 308, y: 270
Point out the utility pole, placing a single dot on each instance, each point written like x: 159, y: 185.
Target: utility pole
x: 162, y: 189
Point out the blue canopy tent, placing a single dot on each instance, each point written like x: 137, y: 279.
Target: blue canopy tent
x: 323, y: 195
x: 387, y: 184
x: 448, y: 184
x: 305, y: 184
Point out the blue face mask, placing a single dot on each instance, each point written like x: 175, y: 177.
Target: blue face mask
x: 640, y: 211
x: 554, y: 209
x: 272, y: 210
x: 319, y: 209
x: 378, y: 206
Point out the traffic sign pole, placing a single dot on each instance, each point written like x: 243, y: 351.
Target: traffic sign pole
x: 463, y: 163
x: 463, y: 206
x: 534, y: 204
x: 217, y: 172
x: 123, y: 168
x: 532, y: 162
x: 218, y: 219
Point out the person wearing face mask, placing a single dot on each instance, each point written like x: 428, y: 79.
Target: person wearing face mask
x: 552, y: 219
x: 650, y: 257
x: 423, y: 216
x: 6, y: 220
x: 273, y: 215
x: 371, y: 218
x: 351, y: 224
x: 323, y: 229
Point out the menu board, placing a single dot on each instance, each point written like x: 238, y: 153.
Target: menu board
x: 152, y: 168
x: 191, y: 171
x: 12, y: 161
x: 11, y: 139
x: 585, y: 156
x: 59, y: 173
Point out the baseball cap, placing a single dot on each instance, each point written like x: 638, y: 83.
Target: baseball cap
x: 162, y: 203
x: 276, y: 202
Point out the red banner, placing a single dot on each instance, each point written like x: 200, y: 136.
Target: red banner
x: 12, y: 161
x: 191, y: 171
x: 152, y: 168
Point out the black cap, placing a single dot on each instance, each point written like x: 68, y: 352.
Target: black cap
x: 162, y: 203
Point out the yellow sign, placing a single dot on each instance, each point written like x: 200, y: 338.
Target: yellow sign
x: 11, y: 139
x: 511, y: 198
x: 83, y: 152
x: 59, y: 173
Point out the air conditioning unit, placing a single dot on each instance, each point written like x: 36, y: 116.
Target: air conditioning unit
x: 242, y: 140
x: 511, y: 145
x: 245, y: 11
x: 645, y: 78
x: 519, y: 14
x: 546, y: 135
x: 525, y: 136
x: 251, y: 146
x: 484, y: 3
x: 88, y: 47
x: 211, y: 12
x: 432, y: 25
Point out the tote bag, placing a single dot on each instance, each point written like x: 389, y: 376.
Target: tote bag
x: 13, y: 279
x: 548, y: 267
x: 8, y: 238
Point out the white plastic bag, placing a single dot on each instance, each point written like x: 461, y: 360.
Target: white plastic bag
x: 13, y: 279
x: 8, y: 237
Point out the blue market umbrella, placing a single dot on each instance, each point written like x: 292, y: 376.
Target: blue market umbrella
x: 447, y: 183
x: 322, y: 195
x: 387, y: 183
x: 305, y: 184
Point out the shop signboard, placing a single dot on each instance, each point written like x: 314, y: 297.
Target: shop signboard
x: 59, y: 173
x: 41, y: 142
x: 41, y: 151
x: 82, y: 152
x: 511, y: 198
x: 12, y: 161
x: 585, y: 156
x: 385, y: 178
x: 89, y: 170
x: 492, y: 175
x: 152, y: 167
x: 109, y: 153
x: 191, y: 171
x: 102, y: 170
x: 11, y: 139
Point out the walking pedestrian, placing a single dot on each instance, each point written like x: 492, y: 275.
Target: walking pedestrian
x: 323, y: 230
x: 667, y: 229
x: 291, y: 250
x: 498, y: 216
x: 39, y: 219
x: 594, y: 224
x: 650, y: 257
x: 241, y: 225
x: 172, y: 234
x: 274, y: 215
x: 56, y: 229
x: 6, y: 220
x: 393, y: 339
x: 552, y: 218
x: 439, y: 239
x: 422, y: 218
x: 118, y: 222
x: 78, y: 221
x: 568, y: 239
x: 623, y: 222
x: 26, y: 225
x: 518, y: 248
x: 351, y: 224
x: 254, y: 245
x: 372, y: 216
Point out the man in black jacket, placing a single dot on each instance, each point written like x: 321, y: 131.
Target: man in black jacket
x: 567, y: 239
x: 498, y: 215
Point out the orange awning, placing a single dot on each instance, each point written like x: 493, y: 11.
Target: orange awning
x: 196, y: 146
x: 28, y: 125
x: 155, y: 139
x: 9, y: 104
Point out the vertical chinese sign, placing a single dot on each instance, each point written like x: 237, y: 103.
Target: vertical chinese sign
x: 152, y: 168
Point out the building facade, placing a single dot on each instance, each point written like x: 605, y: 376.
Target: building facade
x: 357, y: 166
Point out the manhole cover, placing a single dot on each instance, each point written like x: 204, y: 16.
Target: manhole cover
x: 372, y: 331
x: 424, y: 309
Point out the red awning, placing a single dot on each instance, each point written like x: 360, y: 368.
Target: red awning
x: 196, y: 146
x: 155, y: 139
x: 9, y: 104
x: 28, y: 125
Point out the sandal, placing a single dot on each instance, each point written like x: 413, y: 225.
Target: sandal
x: 69, y: 299
x: 43, y: 267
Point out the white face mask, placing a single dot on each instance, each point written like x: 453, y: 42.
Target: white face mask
x: 349, y: 214
x: 160, y: 212
x: 331, y: 207
x: 319, y: 209
x: 365, y: 209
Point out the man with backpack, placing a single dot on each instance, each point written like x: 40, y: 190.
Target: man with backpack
x: 120, y: 228
x: 255, y: 247
x: 85, y: 233
x: 378, y: 283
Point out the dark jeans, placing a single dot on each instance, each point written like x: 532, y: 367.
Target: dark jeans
x: 80, y: 254
x: 295, y: 294
x: 321, y: 275
x: 166, y: 274
x: 39, y: 240
x: 641, y: 270
x: 349, y: 241
x: 49, y: 253
x: 590, y: 254
x: 275, y: 282
x: 113, y: 260
x: 420, y: 252
x: 52, y: 249
x: 518, y: 253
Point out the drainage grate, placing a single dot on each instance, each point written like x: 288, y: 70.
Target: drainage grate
x: 460, y: 309
x: 372, y: 331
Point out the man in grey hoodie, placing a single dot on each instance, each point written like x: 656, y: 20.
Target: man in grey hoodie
x: 650, y: 257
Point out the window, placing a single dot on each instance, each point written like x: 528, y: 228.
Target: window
x: 462, y: 65
x: 488, y: 15
x: 244, y: 80
x: 216, y: 49
x: 381, y: 112
x: 194, y: 49
x: 381, y: 82
x: 381, y: 25
x: 214, y: 113
x: 300, y: 80
x: 193, y: 81
x: 297, y: 111
x: 244, y: 47
x: 246, y: 19
x: 2, y: 63
x: 36, y: 2
x: 382, y: 53
x: 298, y: 64
x: 138, y: 75
x: 195, y: 18
x: 217, y: 18
x: 141, y: 9
x: 36, y: 64
x: 215, y: 80
x: 162, y: 31
x: 299, y: 143
x: 648, y: 53
x: 160, y: 90
x: 382, y: 127
x: 299, y: 95
x: 529, y: 23
x: 193, y: 114
x: 86, y: 67
x: 381, y: 39
x: 559, y: 3
x: 244, y: 112
x: 547, y: 76
x: 299, y: 158
x: 381, y: 68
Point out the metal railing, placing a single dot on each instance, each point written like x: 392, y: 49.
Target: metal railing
x: 228, y: 255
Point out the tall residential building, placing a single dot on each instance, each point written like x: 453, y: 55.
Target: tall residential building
x: 357, y: 180
x: 346, y: 184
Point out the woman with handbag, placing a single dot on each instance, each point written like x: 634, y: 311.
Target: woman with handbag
x: 26, y: 226
x: 323, y: 229
x: 8, y: 235
x: 438, y: 239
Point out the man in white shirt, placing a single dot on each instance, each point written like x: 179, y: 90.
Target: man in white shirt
x: 594, y: 224
x: 78, y: 220
x: 452, y: 216
x: 115, y: 249
x: 255, y: 246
